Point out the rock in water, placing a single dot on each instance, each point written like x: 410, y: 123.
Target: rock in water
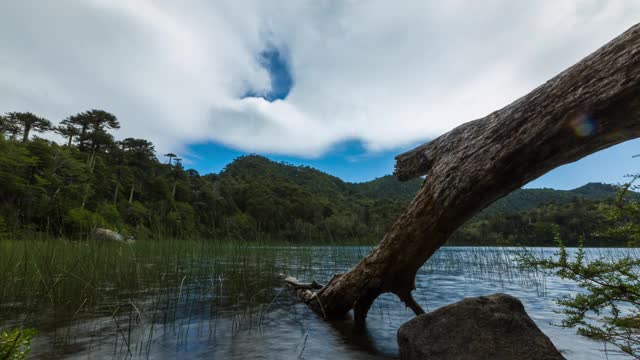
x: 106, y: 234
x: 492, y: 327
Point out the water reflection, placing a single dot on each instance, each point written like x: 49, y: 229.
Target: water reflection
x: 227, y: 312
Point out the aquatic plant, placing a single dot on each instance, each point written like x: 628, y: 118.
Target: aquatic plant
x: 16, y: 344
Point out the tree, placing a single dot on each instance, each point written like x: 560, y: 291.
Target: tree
x: 565, y: 119
x: 100, y: 139
x: 170, y: 156
x: 93, y: 126
x: 81, y: 123
x: 131, y: 152
x: 141, y: 148
x: 177, y: 174
x: 28, y: 122
x: 15, y: 163
x: 611, y: 287
x: 68, y: 130
x: 8, y: 127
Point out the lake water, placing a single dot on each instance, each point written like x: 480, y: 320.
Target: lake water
x: 231, y: 311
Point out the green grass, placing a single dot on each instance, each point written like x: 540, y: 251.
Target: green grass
x: 77, y: 278
x: 62, y: 284
x: 160, y: 287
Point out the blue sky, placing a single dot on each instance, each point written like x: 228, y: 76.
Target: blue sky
x: 351, y: 161
x: 342, y: 86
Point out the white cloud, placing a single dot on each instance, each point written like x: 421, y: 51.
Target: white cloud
x: 387, y: 73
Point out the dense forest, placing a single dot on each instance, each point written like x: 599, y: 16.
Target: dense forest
x: 535, y: 216
x: 93, y: 180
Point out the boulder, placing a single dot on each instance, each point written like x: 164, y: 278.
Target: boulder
x: 487, y: 327
x: 106, y: 234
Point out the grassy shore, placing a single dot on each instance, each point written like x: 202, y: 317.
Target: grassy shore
x: 152, y: 287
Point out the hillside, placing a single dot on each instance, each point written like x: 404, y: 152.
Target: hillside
x: 527, y: 199
x: 94, y: 181
x: 388, y: 187
x: 365, y: 210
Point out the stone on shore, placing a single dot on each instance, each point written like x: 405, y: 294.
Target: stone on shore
x: 106, y: 234
x: 487, y: 327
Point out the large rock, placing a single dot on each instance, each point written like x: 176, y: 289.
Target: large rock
x: 106, y: 234
x: 488, y: 327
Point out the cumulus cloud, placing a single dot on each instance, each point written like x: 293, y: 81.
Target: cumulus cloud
x: 386, y: 73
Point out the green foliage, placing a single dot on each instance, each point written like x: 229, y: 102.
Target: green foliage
x: 533, y: 216
x: 82, y: 221
x: 528, y: 199
x: 26, y: 123
x: 4, y: 231
x: 625, y: 214
x: 609, y: 307
x: 574, y: 220
x: 611, y: 295
x: 16, y: 344
x: 110, y: 215
x: 388, y: 187
x: 95, y: 181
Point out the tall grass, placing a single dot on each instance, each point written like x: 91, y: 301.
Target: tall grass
x: 127, y: 296
x: 148, y: 288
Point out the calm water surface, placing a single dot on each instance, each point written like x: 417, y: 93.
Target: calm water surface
x: 232, y: 314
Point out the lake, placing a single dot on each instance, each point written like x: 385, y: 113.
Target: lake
x: 196, y: 300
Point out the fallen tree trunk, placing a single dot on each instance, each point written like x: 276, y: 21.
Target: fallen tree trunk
x: 588, y: 107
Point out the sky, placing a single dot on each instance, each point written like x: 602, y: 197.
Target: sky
x: 343, y: 86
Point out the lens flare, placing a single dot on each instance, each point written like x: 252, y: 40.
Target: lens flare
x: 585, y: 125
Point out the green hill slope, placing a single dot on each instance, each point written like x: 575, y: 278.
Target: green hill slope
x: 526, y: 199
x: 388, y: 187
x: 277, y: 195
x: 69, y: 190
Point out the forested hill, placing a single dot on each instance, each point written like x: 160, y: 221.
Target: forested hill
x: 93, y: 180
x: 388, y: 187
x: 527, y: 199
x: 256, y: 169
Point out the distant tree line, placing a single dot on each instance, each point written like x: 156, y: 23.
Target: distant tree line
x: 93, y: 180
x: 575, y: 221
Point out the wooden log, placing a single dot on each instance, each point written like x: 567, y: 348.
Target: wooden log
x: 586, y: 108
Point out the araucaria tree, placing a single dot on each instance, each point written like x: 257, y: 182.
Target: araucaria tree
x: 588, y: 107
x: 170, y: 156
x: 8, y: 127
x: 27, y: 123
x: 67, y: 130
x: 92, y: 127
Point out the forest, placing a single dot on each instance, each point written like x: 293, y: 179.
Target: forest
x: 93, y: 180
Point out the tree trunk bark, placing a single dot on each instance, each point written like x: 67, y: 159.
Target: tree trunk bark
x: 131, y: 192
x: 26, y: 131
x: 83, y: 137
x: 91, y: 164
x: 115, y: 193
x: 588, y: 107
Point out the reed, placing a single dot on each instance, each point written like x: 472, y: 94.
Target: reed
x: 99, y: 295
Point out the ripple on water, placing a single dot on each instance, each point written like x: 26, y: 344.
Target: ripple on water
x: 233, y: 316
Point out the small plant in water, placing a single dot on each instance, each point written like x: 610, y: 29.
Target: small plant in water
x: 15, y: 344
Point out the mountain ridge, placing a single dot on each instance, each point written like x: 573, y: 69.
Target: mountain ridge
x: 389, y: 188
